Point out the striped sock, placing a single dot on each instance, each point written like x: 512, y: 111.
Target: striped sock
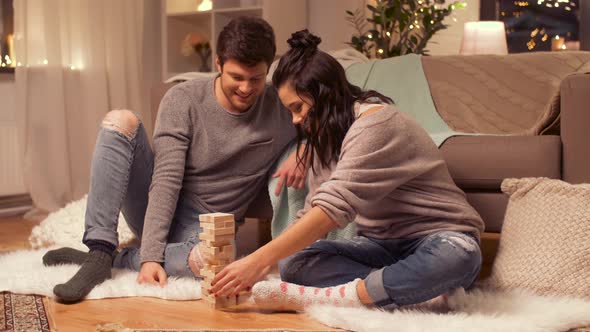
x: 280, y: 295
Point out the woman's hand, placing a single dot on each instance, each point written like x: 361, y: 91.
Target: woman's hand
x: 239, y: 276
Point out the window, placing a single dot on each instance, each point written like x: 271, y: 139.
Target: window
x: 541, y: 25
x: 6, y: 35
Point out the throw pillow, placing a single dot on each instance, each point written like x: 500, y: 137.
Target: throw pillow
x: 545, y: 242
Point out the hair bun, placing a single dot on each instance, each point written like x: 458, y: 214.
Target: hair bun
x: 304, y: 39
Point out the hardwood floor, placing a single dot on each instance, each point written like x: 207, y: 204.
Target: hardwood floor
x: 148, y: 313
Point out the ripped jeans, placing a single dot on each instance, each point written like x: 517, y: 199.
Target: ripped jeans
x: 396, y: 272
x: 121, y: 176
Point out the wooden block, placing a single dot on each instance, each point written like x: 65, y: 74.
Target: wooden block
x: 217, y: 224
x: 205, y: 286
x: 213, y: 251
x: 220, y: 240
x: 207, y: 273
x: 215, y: 268
x: 216, y: 216
x: 217, y: 231
x: 219, y: 302
x: 220, y: 261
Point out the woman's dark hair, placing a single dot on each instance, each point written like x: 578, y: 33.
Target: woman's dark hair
x: 314, y: 73
x: 248, y: 40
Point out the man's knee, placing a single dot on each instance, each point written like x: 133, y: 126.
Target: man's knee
x: 122, y: 121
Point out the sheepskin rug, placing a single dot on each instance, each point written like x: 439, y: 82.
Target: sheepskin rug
x: 478, y: 310
x: 23, y: 271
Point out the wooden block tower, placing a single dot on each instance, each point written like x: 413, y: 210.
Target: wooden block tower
x: 218, y: 232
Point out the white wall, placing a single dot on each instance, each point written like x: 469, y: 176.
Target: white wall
x: 7, y: 98
x: 11, y: 177
x: 327, y: 19
x: 448, y: 41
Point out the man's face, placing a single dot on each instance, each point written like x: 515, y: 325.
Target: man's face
x: 240, y: 85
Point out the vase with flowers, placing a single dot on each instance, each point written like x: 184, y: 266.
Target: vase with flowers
x: 197, y: 43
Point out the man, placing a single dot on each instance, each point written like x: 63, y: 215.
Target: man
x: 214, y: 143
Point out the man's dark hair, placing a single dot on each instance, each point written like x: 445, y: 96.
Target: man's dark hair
x: 248, y: 40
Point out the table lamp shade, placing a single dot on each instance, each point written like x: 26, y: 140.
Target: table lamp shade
x: 485, y: 37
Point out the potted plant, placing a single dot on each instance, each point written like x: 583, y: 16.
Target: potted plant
x: 398, y: 27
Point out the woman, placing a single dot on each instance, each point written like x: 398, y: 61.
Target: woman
x: 418, y: 238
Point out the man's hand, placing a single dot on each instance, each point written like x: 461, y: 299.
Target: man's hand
x: 291, y: 174
x: 152, y: 273
x: 239, y: 276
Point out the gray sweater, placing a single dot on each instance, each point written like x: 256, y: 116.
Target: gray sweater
x: 392, y: 181
x: 208, y: 158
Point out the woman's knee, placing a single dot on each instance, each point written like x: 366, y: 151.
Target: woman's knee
x: 122, y: 121
x: 459, y: 255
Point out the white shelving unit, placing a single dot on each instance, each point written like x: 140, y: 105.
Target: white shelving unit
x: 181, y: 17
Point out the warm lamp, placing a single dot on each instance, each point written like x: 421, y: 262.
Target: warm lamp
x: 485, y: 37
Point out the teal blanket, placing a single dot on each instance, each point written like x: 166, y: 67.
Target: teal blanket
x: 289, y: 201
x: 401, y: 78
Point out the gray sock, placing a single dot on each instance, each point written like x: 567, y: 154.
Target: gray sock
x: 95, y: 269
x: 64, y: 256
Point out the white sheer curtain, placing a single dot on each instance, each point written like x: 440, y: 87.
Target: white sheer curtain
x: 76, y: 60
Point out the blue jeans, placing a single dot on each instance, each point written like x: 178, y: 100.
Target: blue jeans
x: 396, y: 272
x: 121, y: 176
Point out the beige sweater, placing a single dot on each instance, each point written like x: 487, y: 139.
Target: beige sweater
x: 391, y: 181
x: 209, y: 159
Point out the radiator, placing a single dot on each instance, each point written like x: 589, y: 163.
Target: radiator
x: 11, y: 176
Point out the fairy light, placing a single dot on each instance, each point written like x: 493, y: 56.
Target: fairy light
x: 370, y: 36
x: 380, y: 51
x: 388, y: 34
x: 45, y: 62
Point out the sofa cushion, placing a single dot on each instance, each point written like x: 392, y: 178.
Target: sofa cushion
x: 491, y: 206
x: 545, y: 243
x: 482, y: 162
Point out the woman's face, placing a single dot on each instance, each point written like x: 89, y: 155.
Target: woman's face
x: 298, y: 105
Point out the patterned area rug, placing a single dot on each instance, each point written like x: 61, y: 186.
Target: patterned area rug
x: 23, y: 313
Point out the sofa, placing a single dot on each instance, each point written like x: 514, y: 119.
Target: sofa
x: 532, y: 110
